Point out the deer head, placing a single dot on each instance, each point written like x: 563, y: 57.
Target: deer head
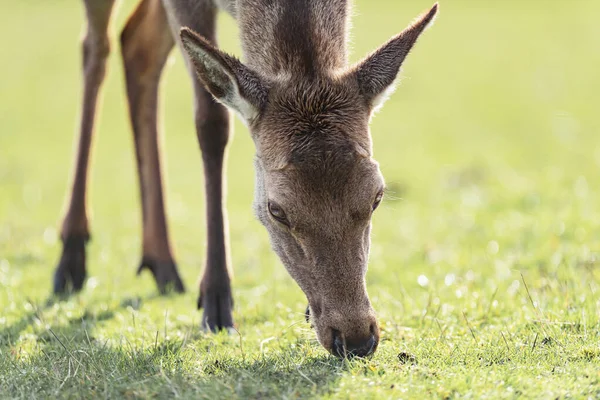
x: 317, y: 184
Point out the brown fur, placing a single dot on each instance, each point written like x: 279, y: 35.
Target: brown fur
x: 308, y: 112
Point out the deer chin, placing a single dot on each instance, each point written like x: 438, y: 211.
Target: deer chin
x: 347, y: 335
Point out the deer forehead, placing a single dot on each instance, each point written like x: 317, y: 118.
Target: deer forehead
x: 312, y: 125
x: 329, y: 184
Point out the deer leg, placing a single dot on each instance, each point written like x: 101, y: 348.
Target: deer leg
x: 71, y: 270
x: 146, y: 43
x: 212, y: 125
x: 212, y: 129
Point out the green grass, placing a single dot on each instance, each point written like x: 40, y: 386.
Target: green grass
x: 485, y: 257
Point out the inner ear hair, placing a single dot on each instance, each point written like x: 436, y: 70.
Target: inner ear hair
x: 225, y: 77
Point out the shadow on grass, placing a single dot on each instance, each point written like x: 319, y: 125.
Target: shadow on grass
x: 68, y: 361
x: 11, y: 333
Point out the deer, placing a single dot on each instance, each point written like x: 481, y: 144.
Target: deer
x: 317, y: 184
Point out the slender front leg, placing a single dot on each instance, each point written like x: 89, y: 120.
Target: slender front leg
x: 212, y: 124
x: 146, y: 43
x: 212, y: 128
x: 71, y: 270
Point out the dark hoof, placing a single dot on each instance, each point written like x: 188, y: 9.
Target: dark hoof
x: 217, y: 305
x: 70, y: 273
x: 165, y: 274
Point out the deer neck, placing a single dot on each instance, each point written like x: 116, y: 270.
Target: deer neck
x: 294, y: 38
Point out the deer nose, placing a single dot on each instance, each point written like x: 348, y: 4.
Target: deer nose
x: 362, y: 347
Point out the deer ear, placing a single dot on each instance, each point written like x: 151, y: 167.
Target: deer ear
x: 225, y: 77
x: 376, y: 74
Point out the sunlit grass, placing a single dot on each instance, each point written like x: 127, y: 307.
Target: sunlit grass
x: 484, y: 264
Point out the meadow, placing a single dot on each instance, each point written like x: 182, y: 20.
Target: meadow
x: 485, y: 260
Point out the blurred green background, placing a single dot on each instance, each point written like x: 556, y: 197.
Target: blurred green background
x: 490, y: 147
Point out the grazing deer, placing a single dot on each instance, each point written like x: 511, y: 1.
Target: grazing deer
x: 317, y: 184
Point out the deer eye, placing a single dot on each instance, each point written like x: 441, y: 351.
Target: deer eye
x: 377, y: 200
x: 277, y: 212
